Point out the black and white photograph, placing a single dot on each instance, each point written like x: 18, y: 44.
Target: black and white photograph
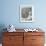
x: 26, y: 13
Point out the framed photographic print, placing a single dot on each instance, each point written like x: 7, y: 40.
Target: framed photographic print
x: 26, y: 13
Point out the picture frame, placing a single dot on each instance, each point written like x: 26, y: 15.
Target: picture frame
x: 26, y: 13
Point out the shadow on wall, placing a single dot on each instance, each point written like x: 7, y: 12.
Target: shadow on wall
x: 2, y: 26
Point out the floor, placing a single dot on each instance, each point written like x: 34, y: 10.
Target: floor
x: 1, y: 45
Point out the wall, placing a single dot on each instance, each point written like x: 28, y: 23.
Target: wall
x: 10, y: 13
